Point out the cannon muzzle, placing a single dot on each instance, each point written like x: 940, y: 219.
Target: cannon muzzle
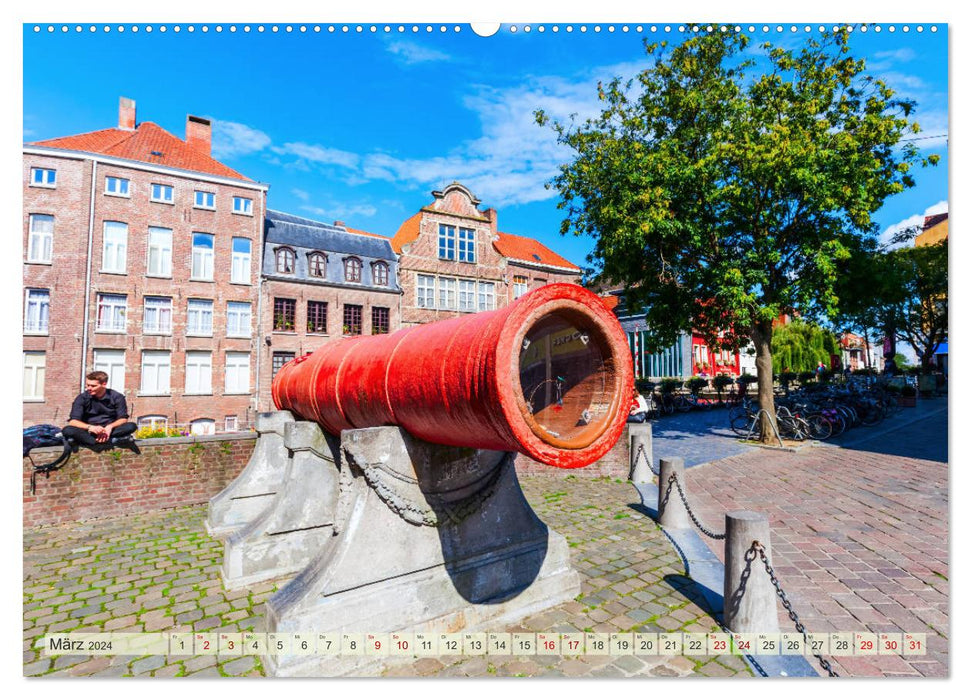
x: 550, y: 376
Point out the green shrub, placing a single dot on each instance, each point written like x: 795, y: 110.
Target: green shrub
x: 696, y: 384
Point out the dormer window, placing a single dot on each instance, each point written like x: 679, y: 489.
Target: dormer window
x: 317, y: 265
x: 379, y: 274
x: 352, y: 270
x: 284, y: 260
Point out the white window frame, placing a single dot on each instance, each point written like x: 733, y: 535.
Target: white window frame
x: 158, y: 306
x: 198, y: 317
x: 465, y: 251
x: 160, y: 364
x: 231, y: 424
x: 239, y: 319
x: 198, y: 372
x: 163, y: 251
x: 114, y: 248
x: 425, y: 292
x: 205, y: 255
x: 163, y: 190
x: 243, y: 206
x: 237, y: 373
x: 446, y: 242
x: 112, y: 301
x: 447, y: 293
x: 154, y: 422
x: 42, y: 240
x: 206, y: 426
x: 116, y: 186
x: 468, y: 296
x: 106, y: 360
x: 48, y: 177
x: 519, y: 287
x: 241, y: 263
x: 205, y: 194
x: 34, y: 375
x: 37, y: 311
x: 487, y: 296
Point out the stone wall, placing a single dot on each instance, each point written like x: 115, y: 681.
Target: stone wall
x: 169, y: 473
x: 614, y: 464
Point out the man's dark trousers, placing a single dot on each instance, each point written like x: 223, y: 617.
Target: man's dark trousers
x: 83, y: 437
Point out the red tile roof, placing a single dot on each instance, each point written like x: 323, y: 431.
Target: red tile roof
x: 530, y: 250
x: 407, y: 232
x: 139, y: 145
x: 934, y: 220
x: 363, y: 233
x: 610, y: 301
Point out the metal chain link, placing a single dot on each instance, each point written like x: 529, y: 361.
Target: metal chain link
x: 673, y: 480
x: 758, y: 548
x: 637, y: 457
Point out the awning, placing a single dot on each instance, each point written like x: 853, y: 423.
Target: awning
x: 941, y: 349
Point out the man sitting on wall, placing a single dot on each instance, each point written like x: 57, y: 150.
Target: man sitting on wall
x: 99, y: 416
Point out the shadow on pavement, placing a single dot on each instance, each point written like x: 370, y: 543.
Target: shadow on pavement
x: 917, y: 433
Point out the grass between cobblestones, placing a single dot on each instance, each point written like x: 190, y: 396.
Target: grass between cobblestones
x: 159, y: 572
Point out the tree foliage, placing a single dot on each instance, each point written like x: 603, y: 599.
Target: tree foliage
x: 800, y: 346
x: 917, y: 304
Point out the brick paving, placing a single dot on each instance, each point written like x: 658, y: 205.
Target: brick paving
x: 698, y: 437
x: 160, y: 572
x: 859, y: 534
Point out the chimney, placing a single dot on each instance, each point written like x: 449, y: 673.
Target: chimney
x: 198, y: 134
x: 339, y: 224
x: 126, y: 114
x: 493, y: 216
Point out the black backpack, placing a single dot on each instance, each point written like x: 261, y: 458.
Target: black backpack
x: 45, y: 436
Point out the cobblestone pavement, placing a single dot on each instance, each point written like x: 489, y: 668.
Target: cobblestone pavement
x: 160, y: 572
x: 859, y: 535
x: 698, y: 437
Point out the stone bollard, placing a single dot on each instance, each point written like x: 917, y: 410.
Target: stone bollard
x: 641, y: 452
x: 672, y: 513
x: 750, y: 605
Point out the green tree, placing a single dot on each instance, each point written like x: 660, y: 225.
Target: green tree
x: 723, y: 195
x: 800, y: 346
x: 917, y: 305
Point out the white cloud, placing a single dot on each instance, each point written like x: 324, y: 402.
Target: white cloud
x: 316, y: 153
x: 300, y: 194
x: 342, y: 211
x: 911, y: 222
x: 231, y: 139
x: 411, y: 53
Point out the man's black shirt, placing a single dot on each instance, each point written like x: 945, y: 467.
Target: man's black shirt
x: 103, y: 411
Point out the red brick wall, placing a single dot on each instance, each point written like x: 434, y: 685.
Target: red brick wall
x: 614, y: 464
x: 167, y: 474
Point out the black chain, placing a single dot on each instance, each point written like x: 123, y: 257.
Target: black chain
x: 673, y: 481
x: 757, y: 547
x: 637, y: 457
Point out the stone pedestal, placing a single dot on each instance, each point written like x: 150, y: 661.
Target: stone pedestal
x: 428, y: 539
x: 298, y: 522
x: 250, y: 493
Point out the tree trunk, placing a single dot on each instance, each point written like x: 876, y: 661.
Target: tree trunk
x: 762, y: 338
x: 866, y: 348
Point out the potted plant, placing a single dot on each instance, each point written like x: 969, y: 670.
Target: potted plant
x: 908, y: 397
x: 696, y: 384
x: 744, y: 381
x: 721, y: 382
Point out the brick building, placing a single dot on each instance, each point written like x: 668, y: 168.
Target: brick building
x: 322, y: 282
x: 454, y: 260
x: 141, y: 259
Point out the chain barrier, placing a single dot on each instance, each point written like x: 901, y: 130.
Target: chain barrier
x: 641, y: 451
x: 757, y: 548
x: 673, y: 481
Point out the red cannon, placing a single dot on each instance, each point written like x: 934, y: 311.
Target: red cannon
x: 550, y: 375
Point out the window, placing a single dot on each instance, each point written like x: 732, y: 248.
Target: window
x: 317, y: 265
x: 446, y: 293
x: 284, y: 314
x: 237, y: 372
x: 198, y: 372
x: 446, y: 242
x: 238, y: 319
x: 520, y: 285
x: 232, y: 424
x: 241, y: 205
x: 162, y: 193
x: 280, y: 359
x: 37, y: 310
x: 487, y: 296
x: 112, y: 312
x: 380, y: 320
x: 352, y: 270
x: 467, y: 295
x: 115, y: 247
x: 241, y: 260
x: 156, y: 369
x: 35, y: 367
x: 352, y: 319
x: 43, y: 177
x: 379, y: 274
x: 316, y: 316
x: 466, y: 245
x: 116, y: 186
x: 203, y: 426
x: 199, y: 317
x: 112, y: 363
x: 202, y: 256
x: 425, y: 292
x: 40, y: 242
x: 284, y: 260
x: 158, y: 315
x: 205, y: 200
x: 153, y: 422
x: 159, y: 252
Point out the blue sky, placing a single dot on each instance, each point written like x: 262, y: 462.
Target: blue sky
x: 362, y: 126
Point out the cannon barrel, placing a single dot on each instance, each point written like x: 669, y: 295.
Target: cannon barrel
x: 550, y: 376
